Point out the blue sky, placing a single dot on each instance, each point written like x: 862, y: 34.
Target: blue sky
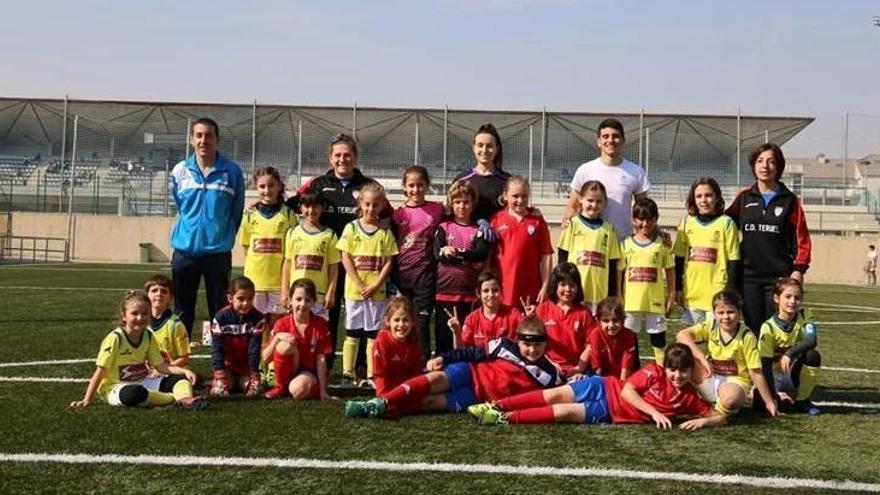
x: 804, y: 58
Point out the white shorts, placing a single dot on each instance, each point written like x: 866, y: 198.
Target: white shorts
x: 319, y: 310
x: 710, y: 387
x: 691, y: 316
x: 268, y: 302
x: 149, y: 383
x: 652, y: 322
x: 364, y: 314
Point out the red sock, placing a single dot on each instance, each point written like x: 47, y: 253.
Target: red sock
x: 525, y: 400
x: 412, y: 390
x: 534, y: 415
x: 285, y: 365
x: 410, y: 407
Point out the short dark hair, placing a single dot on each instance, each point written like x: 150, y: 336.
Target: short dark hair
x: 778, y: 157
x: 241, y: 283
x: 311, y: 198
x: 612, y: 123
x: 728, y: 296
x: 306, y: 285
x: 645, y: 209
x: 691, y: 202
x: 612, y: 307
x: 418, y: 170
x: 531, y: 325
x: 678, y: 357
x: 206, y: 121
x: 487, y: 276
x: 160, y: 280
x: 347, y: 139
x: 593, y: 185
x: 566, y: 272
x: 783, y: 282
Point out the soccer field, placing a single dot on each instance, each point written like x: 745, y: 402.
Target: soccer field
x: 54, y: 318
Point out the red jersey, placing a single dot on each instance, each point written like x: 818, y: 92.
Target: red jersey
x: 311, y: 341
x: 521, y: 244
x: 479, y: 330
x: 498, y: 370
x: 651, y: 384
x: 611, y: 355
x: 394, y: 362
x: 567, y: 332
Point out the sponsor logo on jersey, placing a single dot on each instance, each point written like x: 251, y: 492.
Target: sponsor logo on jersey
x: 133, y: 372
x: 646, y: 274
x: 309, y: 262
x: 725, y: 367
x: 368, y: 263
x: 266, y: 246
x: 591, y: 258
x: 704, y: 254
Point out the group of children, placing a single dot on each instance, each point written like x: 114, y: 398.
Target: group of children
x: 516, y: 340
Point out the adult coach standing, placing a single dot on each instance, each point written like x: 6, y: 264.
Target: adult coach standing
x: 208, y: 190
x: 624, y: 181
x: 775, y: 238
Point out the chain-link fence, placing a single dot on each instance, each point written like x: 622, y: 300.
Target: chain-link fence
x: 119, y: 157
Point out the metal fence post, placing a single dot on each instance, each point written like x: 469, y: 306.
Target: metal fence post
x: 63, y: 149
x: 647, y: 151
x: 186, y: 138
x: 738, y: 146
x: 416, y: 152
x: 254, y: 139
x: 70, y: 189
x: 531, y: 149
x: 845, y: 155
x: 445, y: 144
x: 354, y: 120
x: 641, y: 133
x: 543, y: 145
x: 299, y: 153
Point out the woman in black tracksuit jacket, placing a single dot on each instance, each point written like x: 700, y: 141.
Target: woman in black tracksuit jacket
x: 775, y: 239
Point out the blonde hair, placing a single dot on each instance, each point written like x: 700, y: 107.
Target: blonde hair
x: 136, y: 296
x: 372, y: 188
x: 514, y: 179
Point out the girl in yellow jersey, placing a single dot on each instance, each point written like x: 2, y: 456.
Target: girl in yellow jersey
x: 706, y: 251
x: 646, y: 277
x: 590, y: 243
x: 367, y: 251
x: 262, y: 234
x: 787, y: 343
x: 732, y: 363
x: 122, y: 375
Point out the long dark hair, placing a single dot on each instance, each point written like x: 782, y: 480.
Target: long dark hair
x: 490, y: 129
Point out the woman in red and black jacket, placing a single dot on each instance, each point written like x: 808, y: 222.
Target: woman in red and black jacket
x: 775, y: 238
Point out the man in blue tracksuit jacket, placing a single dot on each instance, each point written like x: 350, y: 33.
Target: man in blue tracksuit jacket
x: 209, y: 192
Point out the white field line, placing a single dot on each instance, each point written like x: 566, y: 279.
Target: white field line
x: 842, y: 323
x: 444, y: 467
x: 41, y: 379
x: 56, y: 268
x: 850, y: 405
x: 824, y: 368
x: 835, y: 305
x: 20, y: 287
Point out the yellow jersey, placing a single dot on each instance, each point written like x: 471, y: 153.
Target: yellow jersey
x: 644, y: 279
x: 369, y: 251
x: 733, y: 357
x: 126, y: 361
x: 264, y: 239
x: 170, y: 335
x: 310, y: 255
x: 591, y: 249
x: 774, y: 341
x: 706, y: 249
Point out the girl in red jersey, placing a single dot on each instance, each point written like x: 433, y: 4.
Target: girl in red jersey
x: 490, y: 321
x: 654, y: 393
x: 524, y: 253
x: 462, y: 377
x: 613, y: 349
x: 569, y: 323
x: 299, y: 348
x: 397, y: 355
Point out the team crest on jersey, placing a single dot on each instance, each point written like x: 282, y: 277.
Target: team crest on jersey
x: 777, y: 211
x: 530, y: 229
x: 355, y: 194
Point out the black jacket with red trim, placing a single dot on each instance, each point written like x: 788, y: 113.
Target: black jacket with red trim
x: 340, y: 201
x: 775, y: 238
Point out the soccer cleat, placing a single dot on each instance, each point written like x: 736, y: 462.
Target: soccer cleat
x: 367, y: 383
x: 346, y: 382
x: 807, y: 407
x: 376, y: 407
x: 254, y: 388
x: 219, y: 385
x: 493, y: 417
x: 194, y: 403
x: 275, y: 393
x: 477, y: 410
x: 355, y: 409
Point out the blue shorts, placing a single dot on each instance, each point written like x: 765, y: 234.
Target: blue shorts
x: 590, y: 391
x: 461, y: 387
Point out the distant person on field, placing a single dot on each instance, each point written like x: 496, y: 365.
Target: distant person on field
x: 871, y: 265
x: 624, y: 181
x: 775, y: 238
x: 208, y: 190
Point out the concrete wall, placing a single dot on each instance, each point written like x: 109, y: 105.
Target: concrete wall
x: 112, y: 238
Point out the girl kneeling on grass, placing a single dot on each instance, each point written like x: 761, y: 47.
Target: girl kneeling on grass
x: 651, y: 394
x: 397, y: 355
x: 299, y: 347
x: 462, y: 377
x: 724, y: 375
x: 122, y: 376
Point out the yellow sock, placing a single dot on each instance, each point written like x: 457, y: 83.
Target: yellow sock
x: 658, y: 355
x: 723, y: 410
x: 182, y: 389
x: 349, y: 355
x: 809, y: 377
x: 370, y: 343
x: 156, y: 398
